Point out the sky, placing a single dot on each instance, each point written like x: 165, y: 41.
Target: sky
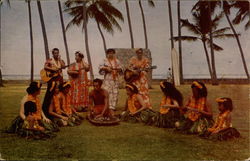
x: 15, y: 39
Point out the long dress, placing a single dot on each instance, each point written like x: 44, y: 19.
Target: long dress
x: 167, y: 117
x: 20, y: 126
x: 222, y: 128
x: 111, y: 82
x: 142, y: 82
x: 79, y: 91
x: 195, y: 122
x: 133, y: 105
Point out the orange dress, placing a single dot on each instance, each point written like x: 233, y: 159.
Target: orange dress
x: 223, y: 121
x: 199, y: 104
x: 79, y: 91
x: 142, y: 82
x: 133, y: 104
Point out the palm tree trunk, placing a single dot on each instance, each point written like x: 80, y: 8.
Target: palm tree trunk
x: 240, y: 48
x: 144, y: 25
x: 214, y: 76
x: 103, y: 38
x: 46, y: 46
x: 1, y: 78
x: 171, y: 23
x: 64, y: 32
x: 31, y: 45
x: 86, y: 40
x: 207, y: 57
x: 129, y: 24
x: 179, y: 41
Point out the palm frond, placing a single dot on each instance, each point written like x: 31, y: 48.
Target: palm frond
x: 221, y: 31
x: 247, y: 26
x: 151, y: 3
x: 191, y: 27
x: 215, y: 46
x: 107, y: 8
x: 186, y: 38
x: 224, y: 36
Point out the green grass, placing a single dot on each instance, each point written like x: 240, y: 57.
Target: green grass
x: 127, y: 141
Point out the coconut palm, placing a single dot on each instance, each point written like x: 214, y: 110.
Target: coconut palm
x: 101, y: 11
x: 170, y: 23
x: 46, y: 46
x: 151, y: 4
x: 179, y: 41
x: 201, y: 30
x: 1, y: 77
x: 64, y: 32
x: 243, y: 12
x: 31, y: 43
x: 129, y: 24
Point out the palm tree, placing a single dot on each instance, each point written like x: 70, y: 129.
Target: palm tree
x: 179, y: 41
x: 31, y: 43
x: 1, y: 77
x: 129, y: 24
x: 243, y: 12
x: 151, y: 4
x: 170, y: 23
x: 46, y: 46
x: 64, y: 32
x: 201, y: 31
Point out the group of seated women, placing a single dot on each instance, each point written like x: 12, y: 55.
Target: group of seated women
x: 193, y: 118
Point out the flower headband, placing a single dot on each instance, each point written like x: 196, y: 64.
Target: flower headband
x: 221, y: 100
x: 162, y: 85
x: 129, y: 86
x: 65, y: 84
x: 198, y: 85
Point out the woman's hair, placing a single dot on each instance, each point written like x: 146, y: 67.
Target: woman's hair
x: 34, y: 87
x: 79, y: 54
x: 110, y: 50
x: 132, y: 88
x: 169, y: 90
x: 55, y: 49
x: 202, y: 89
x: 64, y: 85
x: 99, y: 81
x: 29, y: 107
x: 227, y: 103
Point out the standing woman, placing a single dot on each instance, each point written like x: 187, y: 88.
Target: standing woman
x: 79, y: 90
x: 136, y: 63
x: 198, y: 116
x: 136, y: 110
x: 171, y: 103
x: 111, y: 69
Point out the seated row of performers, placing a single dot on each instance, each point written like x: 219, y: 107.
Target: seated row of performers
x: 193, y: 118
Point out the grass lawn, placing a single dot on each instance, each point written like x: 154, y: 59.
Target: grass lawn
x: 128, y: 141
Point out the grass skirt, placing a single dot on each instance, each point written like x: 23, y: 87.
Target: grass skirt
x: 195, y: 127
x: 17, y: 128
x: 226, y: 134
x: 145, y: 116
x: 167, y: 120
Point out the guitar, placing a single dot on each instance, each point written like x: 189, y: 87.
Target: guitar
x: 47, y: 75
x: 103, y: 71
x: 130, y: 75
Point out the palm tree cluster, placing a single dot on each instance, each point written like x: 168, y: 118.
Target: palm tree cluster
x: 204, y: 27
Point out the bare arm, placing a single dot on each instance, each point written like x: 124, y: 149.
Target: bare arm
x: 21, y: 112
x: 141, y: 101
x: 51, y: 112
x: 175, y: 105
x: 106, y: 101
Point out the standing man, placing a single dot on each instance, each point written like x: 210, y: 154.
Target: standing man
x: 111, y: 69
x: 53, y: 65
x: 79, y: 91
x: 139, y: 64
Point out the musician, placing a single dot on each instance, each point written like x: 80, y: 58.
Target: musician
x: 111, y: 69
x: 79, y: 90
x: 54, y: 64
x: 136, y: 63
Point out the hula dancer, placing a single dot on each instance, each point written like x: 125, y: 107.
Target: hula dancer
x: 136, y: 110
x: 170, y: 106
x: 37, y: 114
x: 79, y: 90
x: 222, y: 128
x: 198, y: 116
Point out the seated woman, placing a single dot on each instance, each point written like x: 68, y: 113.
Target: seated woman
x: 198, y: 116
x: 17, y: 125
x: 222, y: 128
x: 136, y: 109
x: 74, y: 117
x: 98, y: 101
x: 169, y: 107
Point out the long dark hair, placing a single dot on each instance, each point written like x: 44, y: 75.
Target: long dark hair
x: 169, y: 90
x: 202, y: 89
x: 227, y: 103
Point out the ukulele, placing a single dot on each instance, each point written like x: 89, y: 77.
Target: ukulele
x: 130, y: 75
x: 47, y: 75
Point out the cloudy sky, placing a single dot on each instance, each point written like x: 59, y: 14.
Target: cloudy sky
x: 15, y: 42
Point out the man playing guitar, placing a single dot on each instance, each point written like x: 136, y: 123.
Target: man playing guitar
x: 54, y: 65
